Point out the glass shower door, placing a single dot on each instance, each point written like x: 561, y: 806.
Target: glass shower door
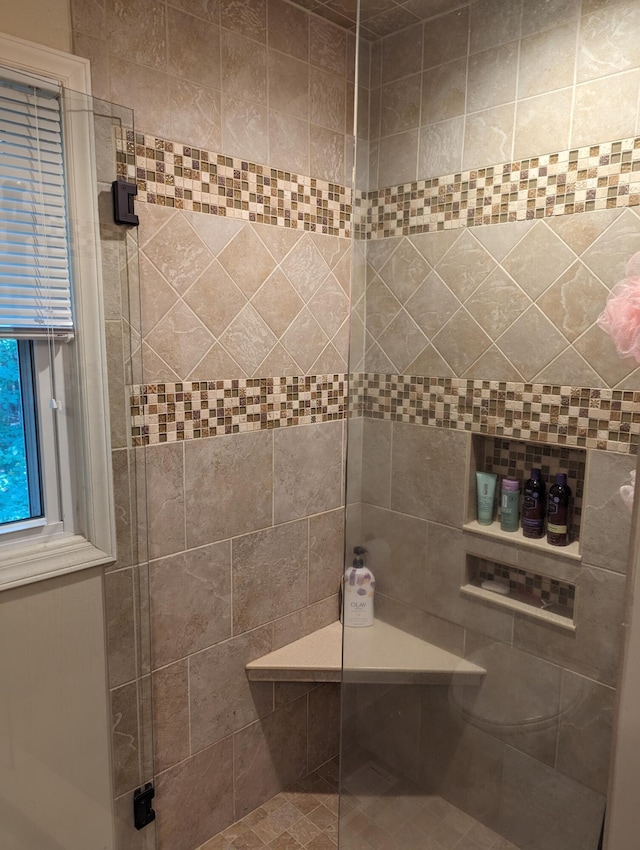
x: 478, y: 709
x: 126, y: 583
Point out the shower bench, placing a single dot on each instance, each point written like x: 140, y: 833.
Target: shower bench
x: 379, y: 653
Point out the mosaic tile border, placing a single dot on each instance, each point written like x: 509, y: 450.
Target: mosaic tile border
x: 188, y: 178
x: 168, y: 173
x: 584, y: 417
x: 531, y: 587
x: 597, y: 177
x: 169, y: 412
x: 581, y: 417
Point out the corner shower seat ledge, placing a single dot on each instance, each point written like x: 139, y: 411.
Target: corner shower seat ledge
x: 379, y: 653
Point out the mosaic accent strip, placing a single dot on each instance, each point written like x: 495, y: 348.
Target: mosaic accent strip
x: 583, y: 417
x: 188, y: 178
x: 169, y: 412
x: 171, y: 174
x: 598, y: 177
x: 532, y: 588
x: 515, y: 459
x: 580, y: 417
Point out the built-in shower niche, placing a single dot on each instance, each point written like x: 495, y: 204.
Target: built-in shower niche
x: 526, y: 591
x: 515, y: 459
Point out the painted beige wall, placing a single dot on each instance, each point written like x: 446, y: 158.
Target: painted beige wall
x: 54, y: 745
x: 54, y: 751
x: 43, y: 21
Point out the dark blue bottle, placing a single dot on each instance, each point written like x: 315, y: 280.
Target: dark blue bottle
x: 533, y: 506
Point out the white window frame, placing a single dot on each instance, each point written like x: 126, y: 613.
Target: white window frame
x: 24, y: 563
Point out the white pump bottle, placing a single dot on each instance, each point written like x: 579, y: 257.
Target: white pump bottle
x: 359, y: 585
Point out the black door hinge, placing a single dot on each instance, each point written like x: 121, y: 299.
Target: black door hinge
x: 123, y: 195
x: 143, y: 814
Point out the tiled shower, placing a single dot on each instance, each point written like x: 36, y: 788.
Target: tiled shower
x: 289, y: 322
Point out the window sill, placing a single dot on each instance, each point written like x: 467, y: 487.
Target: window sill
x: 39, y: 561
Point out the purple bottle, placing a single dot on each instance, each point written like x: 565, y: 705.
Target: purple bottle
x: 558, y: 512
x: 533, y: 506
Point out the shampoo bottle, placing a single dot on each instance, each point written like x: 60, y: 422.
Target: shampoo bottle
x: 533, y: 506
x: 558, y: 512
x: 359, y: 586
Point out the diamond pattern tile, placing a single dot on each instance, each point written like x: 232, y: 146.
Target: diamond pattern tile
x: 157, y: 297
x: 284, y: 310
x: 278, y: 240
x: 531, y: 342
x: 405, y: 270
x: 402, y: 341
x: 381, y: 306
x: 432, y: 304
x: 500, y: 240
x: 329, y: 305
x: 497, y: 303
x: 465, y: 265
x: 461, y: 341
x: 608, y: 255
x: 277, y: 302
x: 574, y: 301
x: 215, y: 298
x: 180, y: 339
x: 178, y: 253
x: 499, y: 272
x: 580, y: 232
x: 379, y: 251
x: 247, y: 274
x: 538, y: 259
x: 332, y: 250
x: 433, y: 246
x: 305, y: 267
x: 304, y: 340
x: 249, y: 338
x: 376, y: 360
x: 598, y: 350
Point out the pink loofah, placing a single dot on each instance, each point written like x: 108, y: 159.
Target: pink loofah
x: 621, y: 315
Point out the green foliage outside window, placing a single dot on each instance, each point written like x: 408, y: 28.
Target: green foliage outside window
x: 14, y: 487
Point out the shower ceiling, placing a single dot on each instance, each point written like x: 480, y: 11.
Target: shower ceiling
x: 379, y: 17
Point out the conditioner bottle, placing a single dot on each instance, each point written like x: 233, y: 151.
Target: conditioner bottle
x: 509, y: 499
x: 558, y: 512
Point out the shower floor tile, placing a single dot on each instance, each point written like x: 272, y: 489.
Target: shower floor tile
x: 305, y: 817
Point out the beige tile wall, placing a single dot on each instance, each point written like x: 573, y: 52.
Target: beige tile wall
x: 213, y: 76
x: 257, y: 79
x: 227, y: 299
x: 507, y: 302
x: 246, y: 551
x: 245, y: 533
x: 491, y: 82
x: 488, y: 83
x: 528, y: 722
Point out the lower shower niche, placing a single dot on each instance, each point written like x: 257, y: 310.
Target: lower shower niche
x: 532, y: 594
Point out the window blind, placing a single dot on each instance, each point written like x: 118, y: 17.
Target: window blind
x: 35, y: 286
